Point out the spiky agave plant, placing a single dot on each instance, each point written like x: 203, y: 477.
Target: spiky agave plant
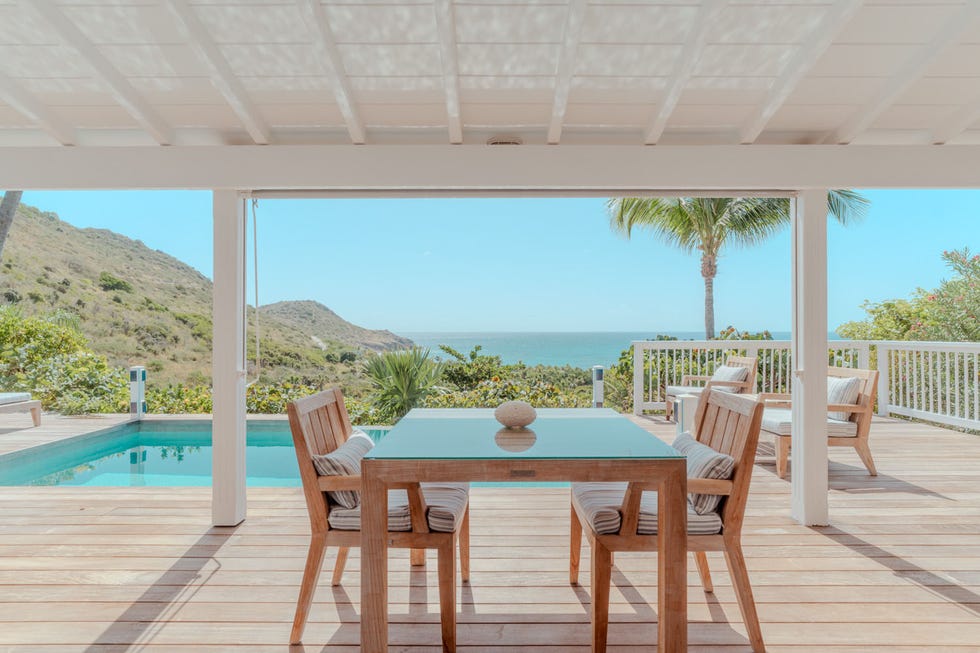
x: 402, y: 379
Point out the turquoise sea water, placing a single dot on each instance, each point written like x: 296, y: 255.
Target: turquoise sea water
x: 583, y: 349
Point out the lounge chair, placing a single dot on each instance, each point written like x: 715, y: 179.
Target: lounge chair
x: 736, y: 375
x: 21, y: 402
x: 720, y: 457
x: 850, y: 406
x: 434, y: 516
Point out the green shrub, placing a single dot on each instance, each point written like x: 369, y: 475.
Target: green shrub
x: 110, y: 282
x: 402, y: 379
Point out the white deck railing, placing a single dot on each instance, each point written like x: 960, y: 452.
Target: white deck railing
x: 935, y: 381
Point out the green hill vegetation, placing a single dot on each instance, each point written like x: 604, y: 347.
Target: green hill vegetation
x: 139, y: 306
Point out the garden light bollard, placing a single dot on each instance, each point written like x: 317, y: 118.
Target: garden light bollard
x: 137, y: 392
x: 684, y: 408
x: 597, y: 386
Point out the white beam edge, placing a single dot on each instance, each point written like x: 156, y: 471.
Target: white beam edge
x: 220, y: 72
x: 22, y: 101
x: 446, y: 27
x: 688, y: 61
x: 958, y: 123
x: 447, y: 168
x: 333, y: 67
x: 566, y: 68
x: 803, y: 61
x: 947, y: 36
x: 120, y: 88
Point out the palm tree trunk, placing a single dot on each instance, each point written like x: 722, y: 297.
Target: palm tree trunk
x: 11, y: 199
x: 709, y: 268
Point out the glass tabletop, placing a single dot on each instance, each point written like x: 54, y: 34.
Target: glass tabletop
x: 473, y: 433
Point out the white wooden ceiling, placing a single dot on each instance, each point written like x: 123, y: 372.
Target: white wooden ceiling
x: 192, y: 72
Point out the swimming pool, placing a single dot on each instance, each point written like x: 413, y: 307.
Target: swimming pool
x: 156, y: 453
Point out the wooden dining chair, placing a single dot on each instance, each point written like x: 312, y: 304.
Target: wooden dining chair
x: 621, y: 517
x: 433, y: 516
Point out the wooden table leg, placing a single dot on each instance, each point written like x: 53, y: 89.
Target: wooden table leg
x: 374, y: 561
x: 672, y: 560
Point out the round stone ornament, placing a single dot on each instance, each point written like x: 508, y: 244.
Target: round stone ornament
x: 515, y: 414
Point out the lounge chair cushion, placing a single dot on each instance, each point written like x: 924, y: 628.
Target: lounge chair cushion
x: 446, y: 504
x: 599, y: 503
x: 730, y: 373
x: 677, y: 390
x: 345, y: 460
x: 780, y: 422
x: 842, y: 390
x: 704, y: 462
x: 14, y: 397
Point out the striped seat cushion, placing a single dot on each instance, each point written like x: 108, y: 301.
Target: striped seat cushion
x: 14, y: 397
x: 345, y: 460
x: 780, y: 422
x: 704, y: 462
x: 599, y: 503
x: 842, y: 390
x: 446, y: 504
x: 730, y: 373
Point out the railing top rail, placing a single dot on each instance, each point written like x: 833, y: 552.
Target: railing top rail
x: 928, y: 345
x: 737, y: 344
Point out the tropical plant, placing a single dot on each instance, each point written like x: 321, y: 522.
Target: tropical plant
x: 401, y: 379
x: 706, y: 224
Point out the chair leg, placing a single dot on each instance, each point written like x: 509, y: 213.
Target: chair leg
x: 447, y: 595
x: 417, y: 557
x: 864, y: 451
x: 782, y: 455
x: 743, y: 592
x: 36, y: 415
x: 668, y: 408
x: 575, y: 548
x: 601, y: 581
x: 311, y: 574
x: 701, y: 558
x: 464, y: 546
x: 338, y: 567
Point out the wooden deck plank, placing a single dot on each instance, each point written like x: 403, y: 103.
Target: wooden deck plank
x: 123, y: 569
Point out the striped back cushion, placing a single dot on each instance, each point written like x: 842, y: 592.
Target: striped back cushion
x: 842, y: 390
x: 704, y: 462
x: 345, y: 460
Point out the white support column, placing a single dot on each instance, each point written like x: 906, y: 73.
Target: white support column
x: 809, y: 445
x: 228, y: 360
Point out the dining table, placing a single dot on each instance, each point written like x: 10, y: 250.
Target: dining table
x: 561, y: 444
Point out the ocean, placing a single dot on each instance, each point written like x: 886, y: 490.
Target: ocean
x: 583, y: 349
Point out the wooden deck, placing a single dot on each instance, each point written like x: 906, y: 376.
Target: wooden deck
x: 105, y: 570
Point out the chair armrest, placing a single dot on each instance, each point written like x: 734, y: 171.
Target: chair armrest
x: 332, y: 483
x: 844, y: 408
x: 687, y: 378
x: 776, y: 399
x: 709, y: 486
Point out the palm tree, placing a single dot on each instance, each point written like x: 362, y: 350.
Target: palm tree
x: 8, y: 207
x: 402, y: 379
x: 705, y: 224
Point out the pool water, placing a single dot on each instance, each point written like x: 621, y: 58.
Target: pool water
x: 155, y: 453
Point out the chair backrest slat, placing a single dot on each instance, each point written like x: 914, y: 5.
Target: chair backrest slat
x: 752, y: 364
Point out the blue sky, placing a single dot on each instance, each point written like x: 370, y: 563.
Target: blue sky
x: 533, y: 264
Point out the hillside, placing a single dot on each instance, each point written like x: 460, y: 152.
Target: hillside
x: 142, y: 306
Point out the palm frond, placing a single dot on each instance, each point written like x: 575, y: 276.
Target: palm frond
x: 847, y: 206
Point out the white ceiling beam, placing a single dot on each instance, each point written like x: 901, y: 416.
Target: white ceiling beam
x: 119, y: 87
x: 446, y: 26
x: 916, y: 66
x: 566, y: 67
x: 447, y: 170
x: 807, y: 55
x: 328, y: 54
x: 686, y: 63
x: 26, y: 104
x: 222, y: 76
x: 957, y: 123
